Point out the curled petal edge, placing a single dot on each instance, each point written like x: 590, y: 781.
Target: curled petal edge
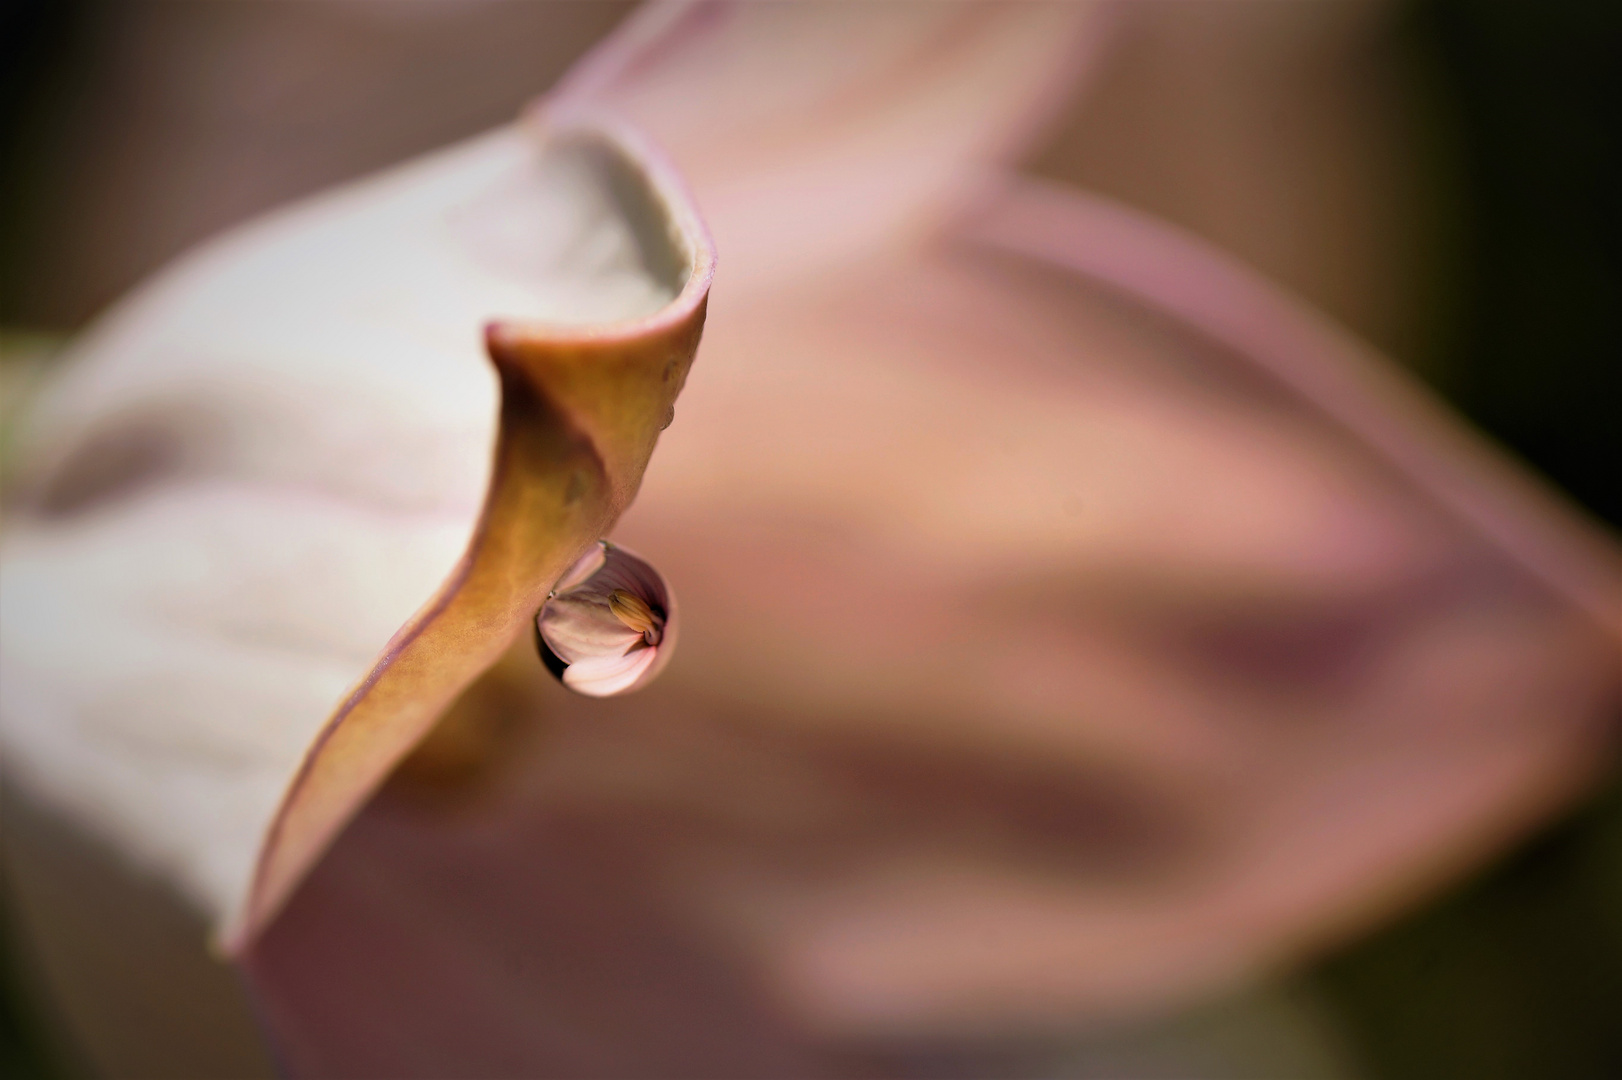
x: 580, y: 411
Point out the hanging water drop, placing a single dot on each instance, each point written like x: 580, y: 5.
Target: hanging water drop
x: 609, y: 624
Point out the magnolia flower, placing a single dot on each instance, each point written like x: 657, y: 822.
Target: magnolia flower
x: 1075, y: 623
x: 610, y: 624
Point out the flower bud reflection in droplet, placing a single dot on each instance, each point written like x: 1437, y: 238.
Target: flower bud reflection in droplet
x: 609, y: 625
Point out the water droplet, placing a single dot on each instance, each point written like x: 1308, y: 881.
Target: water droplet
x: 609, y: 625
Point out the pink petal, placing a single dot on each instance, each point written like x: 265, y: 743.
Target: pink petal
x: 584, y: 567
x: 1084, y: 628
x: 605, y: 676
x: 584, y: 629
x: 815, y: 129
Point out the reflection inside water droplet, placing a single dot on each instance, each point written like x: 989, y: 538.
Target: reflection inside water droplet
x: 609, y: 625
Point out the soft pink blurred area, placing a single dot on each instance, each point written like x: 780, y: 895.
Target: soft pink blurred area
x: 1051, y: 661
x: 1077, y: 626
x: 1210, y: 689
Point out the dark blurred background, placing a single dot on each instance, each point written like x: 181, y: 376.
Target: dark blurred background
x: 129, y: 131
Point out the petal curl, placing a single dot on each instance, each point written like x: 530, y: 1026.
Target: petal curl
x: 278, y: 454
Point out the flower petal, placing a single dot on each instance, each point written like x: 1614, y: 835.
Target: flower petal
x: 817, y: 129
x: 584, y: 567
x: 607, y: 675
x: 582, y: 628
x: 279, y: 454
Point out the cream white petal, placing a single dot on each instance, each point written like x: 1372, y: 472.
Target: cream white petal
x: 252, y: 472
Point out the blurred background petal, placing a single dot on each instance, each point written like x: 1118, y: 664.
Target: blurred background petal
x: 1054, y: 683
